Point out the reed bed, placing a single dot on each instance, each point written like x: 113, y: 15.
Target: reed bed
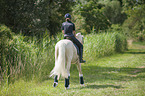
x: 28, y: 58
x: 104, y: 44
x: 31, y: 58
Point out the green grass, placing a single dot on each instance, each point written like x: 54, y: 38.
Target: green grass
x: 117, y: 75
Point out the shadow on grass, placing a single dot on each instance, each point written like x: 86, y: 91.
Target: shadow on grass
x: 102, y: 74
x: 102, y: 86
x: 94, y: 73
x: 98, y: 87
x: 135, y: 51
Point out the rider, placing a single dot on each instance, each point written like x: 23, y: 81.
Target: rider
x: 68, y: 29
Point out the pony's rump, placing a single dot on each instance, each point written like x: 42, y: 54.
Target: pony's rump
x: 60, y: 59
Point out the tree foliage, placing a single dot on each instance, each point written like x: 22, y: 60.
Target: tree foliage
x: 92, y: 13
x: 113, y: 11
x: 135, y: 24
x: 34, y: 17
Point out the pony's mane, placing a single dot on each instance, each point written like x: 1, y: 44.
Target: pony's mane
x: 79, y: 37
x: 78, y: 34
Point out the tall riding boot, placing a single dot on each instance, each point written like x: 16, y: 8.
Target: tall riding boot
x: 81, y: 56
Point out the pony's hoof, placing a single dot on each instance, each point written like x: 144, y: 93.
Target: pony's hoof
x: 66, y: 88
x: 82, y: 84
x: 55, y: 84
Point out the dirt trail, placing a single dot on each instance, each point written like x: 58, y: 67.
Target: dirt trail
x: 137, y: 46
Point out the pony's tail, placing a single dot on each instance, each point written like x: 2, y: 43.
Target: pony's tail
x: 59, y: 68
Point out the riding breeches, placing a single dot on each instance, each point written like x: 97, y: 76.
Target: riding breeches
x: 77, y: 42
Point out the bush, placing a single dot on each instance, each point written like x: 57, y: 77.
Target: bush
x: 5, y: 41
x: 120, y: 43
x: 5, y: 34
x: 141, y: 36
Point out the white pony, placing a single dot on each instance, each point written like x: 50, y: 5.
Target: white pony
x: 65, y: 54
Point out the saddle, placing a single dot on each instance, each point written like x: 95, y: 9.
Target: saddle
x: 69, y: 38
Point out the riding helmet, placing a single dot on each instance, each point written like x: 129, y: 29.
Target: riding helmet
x: 67, y: 16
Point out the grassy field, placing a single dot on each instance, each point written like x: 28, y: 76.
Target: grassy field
x: 116, y: 75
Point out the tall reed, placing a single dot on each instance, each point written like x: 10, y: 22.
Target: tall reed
x: 103, y: 44
x: 28, y: 58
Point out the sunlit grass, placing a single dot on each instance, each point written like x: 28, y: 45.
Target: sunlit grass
x: 117, y: 75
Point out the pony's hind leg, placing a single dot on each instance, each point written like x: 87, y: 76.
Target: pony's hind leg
x: 80, y: 74
x: 55, y: 81
x: 68, y: 72
x: 67, y: 83
x: 81, y: 79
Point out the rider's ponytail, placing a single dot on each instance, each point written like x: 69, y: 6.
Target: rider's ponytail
x: 67, y: 19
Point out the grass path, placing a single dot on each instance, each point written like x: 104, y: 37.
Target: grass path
x: 117, y: 75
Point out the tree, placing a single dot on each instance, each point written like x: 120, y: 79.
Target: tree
x: 135, y: 23
x: 92, y: 15
x: 34, y: 17
x: 113, y: 11
x: 131, y: 3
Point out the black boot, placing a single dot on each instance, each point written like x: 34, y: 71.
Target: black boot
x: 81, y: 56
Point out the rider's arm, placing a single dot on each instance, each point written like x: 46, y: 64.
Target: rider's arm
x: 62, y: 28
x: 74, y: 32
x: 63, y: 31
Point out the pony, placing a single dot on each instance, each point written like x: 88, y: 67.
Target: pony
x: 65, y: 55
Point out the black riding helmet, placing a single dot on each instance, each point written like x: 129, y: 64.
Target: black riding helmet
x: 67, y: 16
